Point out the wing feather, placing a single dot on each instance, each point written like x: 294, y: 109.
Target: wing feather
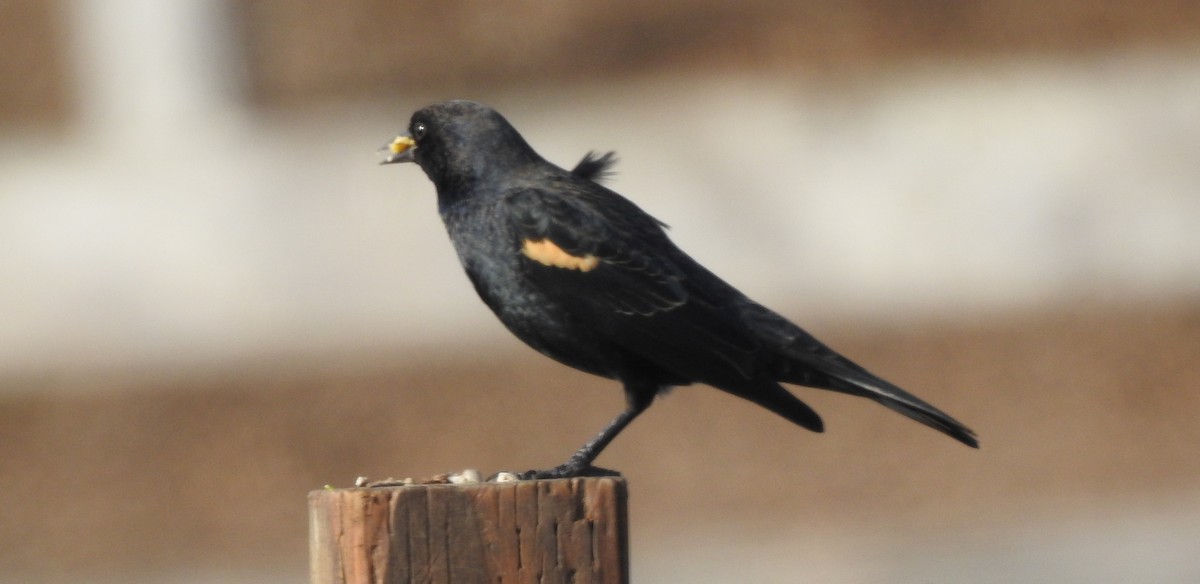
x: 638, y: 292
x: 577, y: 246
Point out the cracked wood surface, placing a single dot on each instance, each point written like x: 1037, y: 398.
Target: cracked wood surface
x: 546, y: 531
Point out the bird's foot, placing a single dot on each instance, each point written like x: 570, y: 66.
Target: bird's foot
x: 568, y: 470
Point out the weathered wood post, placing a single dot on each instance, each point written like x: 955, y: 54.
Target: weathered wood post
x: 541, y: 531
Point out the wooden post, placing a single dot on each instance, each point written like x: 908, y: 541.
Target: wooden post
x: 543, y: 531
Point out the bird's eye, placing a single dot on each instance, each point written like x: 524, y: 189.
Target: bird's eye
x: 418, y: 130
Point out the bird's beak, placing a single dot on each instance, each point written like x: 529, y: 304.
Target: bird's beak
x: 399, y: 150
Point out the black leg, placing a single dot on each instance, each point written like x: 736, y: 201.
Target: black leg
x: 580, y: 463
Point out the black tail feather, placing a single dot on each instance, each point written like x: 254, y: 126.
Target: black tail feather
x: 774, y: 397
x: 867, y: 385
x: 825, y: 369
x: 934, y: 418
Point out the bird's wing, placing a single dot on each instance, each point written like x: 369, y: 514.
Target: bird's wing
x: 607, y: 256
x: 607, y: 259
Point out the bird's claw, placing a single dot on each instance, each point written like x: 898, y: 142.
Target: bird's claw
x: 567, y: 471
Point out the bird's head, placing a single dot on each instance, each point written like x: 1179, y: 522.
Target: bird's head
x: 460, y: 143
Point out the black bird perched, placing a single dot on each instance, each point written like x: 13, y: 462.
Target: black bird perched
x: 584, y: 276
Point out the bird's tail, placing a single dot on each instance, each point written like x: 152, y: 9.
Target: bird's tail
x: 774, y: 397
x: 921, y: 411
x: 822, y: 367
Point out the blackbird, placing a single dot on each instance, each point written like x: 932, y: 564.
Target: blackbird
x: 586, y: 277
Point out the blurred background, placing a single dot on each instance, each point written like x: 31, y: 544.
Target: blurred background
x: 214, y: 300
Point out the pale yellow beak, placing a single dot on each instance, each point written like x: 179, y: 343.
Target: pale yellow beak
x: 399, y: 150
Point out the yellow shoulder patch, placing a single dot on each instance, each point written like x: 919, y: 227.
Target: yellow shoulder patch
x: 545, y: 252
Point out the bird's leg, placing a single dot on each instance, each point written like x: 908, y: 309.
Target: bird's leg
x: 580, y: 463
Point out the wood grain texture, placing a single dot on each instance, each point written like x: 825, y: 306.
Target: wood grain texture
x: 548, y: 531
